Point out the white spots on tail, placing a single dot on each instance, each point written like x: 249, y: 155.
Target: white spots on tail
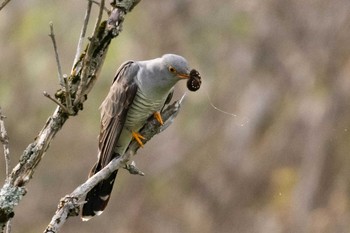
x: 104, y: 198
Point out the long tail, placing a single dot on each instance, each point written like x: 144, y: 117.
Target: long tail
x: 98, y: 197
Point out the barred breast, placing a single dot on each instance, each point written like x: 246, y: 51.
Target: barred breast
x: 140, y: 110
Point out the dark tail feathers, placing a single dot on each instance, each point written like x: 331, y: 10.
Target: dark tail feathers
x: 98, y: 197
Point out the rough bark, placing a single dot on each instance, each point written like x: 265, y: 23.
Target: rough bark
x: 80, y: 82
x: 70, y: 204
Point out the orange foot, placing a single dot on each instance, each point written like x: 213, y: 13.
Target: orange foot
x: 138, y: 138
x: 158, y: 117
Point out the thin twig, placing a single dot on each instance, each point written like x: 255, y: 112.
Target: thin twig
x: 52, y: 36
x: 62, y: 78
x: 82, y: 33
x: 99, y: 18
x: 5, y: 143
x: 55, y: 101
x: 98, y: 4
x: 133, y: 170
x: 4, y: 4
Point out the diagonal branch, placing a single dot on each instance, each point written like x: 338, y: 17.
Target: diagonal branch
x: 3, y: 4
x: 69, y: 205
x: 87, y: 67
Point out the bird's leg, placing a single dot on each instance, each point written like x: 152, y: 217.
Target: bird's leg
x: 138, y: 138
x: 158, y: 117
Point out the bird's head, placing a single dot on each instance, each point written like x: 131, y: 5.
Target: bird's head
x: 160, y: 75
x: 175, y: 67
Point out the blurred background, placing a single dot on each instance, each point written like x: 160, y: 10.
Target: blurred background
x: 278, y: 163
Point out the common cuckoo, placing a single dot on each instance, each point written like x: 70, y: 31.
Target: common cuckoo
x: 140, y: 89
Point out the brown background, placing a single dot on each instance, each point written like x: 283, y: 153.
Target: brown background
x: 280, y: 165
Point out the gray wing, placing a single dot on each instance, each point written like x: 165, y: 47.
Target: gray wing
x: 113, y: 113
x: 114, y: 110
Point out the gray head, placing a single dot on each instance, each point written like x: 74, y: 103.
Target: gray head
x: 176, y: 67
x: 163, y: 73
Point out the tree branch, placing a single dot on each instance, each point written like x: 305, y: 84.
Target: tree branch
x: 59, y: 69
x: 69, y: 205
x: 84, y: 78
x: 87, y: 67
x: 5, y: 143
x: 61, y: 78
x: 3, y: 4
x: 47, y: 95
x: 82, y: 33
x: 98, y: 4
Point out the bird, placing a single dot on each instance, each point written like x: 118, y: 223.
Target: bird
x: 139, y: 90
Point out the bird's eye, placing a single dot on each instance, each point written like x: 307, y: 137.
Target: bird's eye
x: 172, y: 69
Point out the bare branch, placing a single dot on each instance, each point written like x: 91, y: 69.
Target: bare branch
x: 82, y: 33
x: 67, y: 95
x: 69, y: 205
x: 99, y: 17
x: 59, y: 69
x: 87, y: 67
x: 4, y: 4
x: 8, y: 227
x: 127, y: 5
x: 62, y: 78
x: 87, y: 61
x: 55, y: 101
x: 98, y: 4
x: 132, y: 169
x: 5, y: 143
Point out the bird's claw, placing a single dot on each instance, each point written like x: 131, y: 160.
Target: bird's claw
x: 158, y: 117
x: 138, y: 137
